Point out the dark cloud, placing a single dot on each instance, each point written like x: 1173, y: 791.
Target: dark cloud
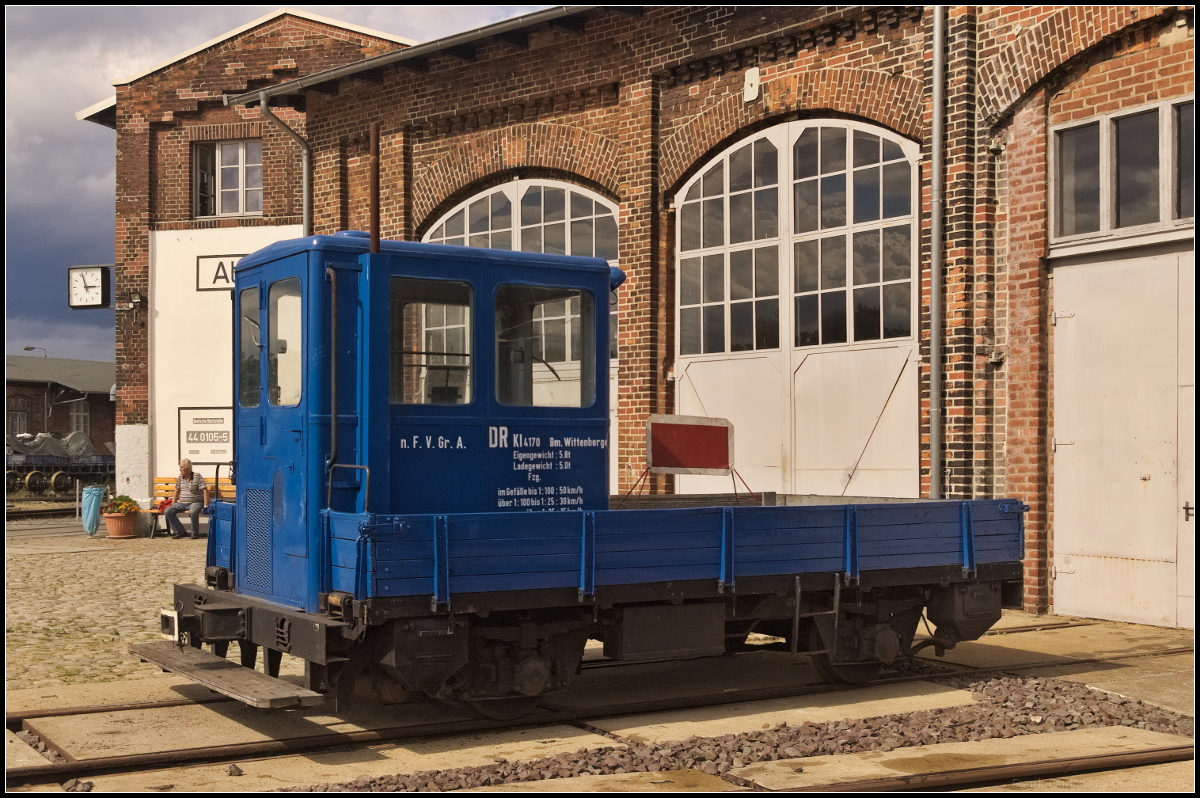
x: 59, y: 172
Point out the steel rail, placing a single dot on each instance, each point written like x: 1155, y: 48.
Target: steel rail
x: 232, y: 753
x: 40, y: 512
x: 14, y: 720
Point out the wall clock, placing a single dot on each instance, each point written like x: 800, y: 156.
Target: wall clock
x: 89, y: 286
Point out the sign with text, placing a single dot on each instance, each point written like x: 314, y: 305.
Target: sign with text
x: 215, y: 272
x: 206, y: 434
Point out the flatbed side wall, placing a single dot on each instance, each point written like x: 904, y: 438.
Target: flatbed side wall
x: 384, y: 556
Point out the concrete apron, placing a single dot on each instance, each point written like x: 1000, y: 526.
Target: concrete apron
x: 143, y: 731
x: 173, y: 728
x: 1164, y: 681
x: 751, y: 716
x: 826, y: 771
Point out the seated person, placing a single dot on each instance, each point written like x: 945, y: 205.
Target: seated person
x: 191, y: 496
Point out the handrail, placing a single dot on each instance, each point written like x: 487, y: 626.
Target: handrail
x: 366, y: 494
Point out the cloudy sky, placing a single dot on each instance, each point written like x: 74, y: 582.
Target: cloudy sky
x: 59, y: 173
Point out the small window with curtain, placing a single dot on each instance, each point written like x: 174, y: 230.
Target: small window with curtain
x: 227, y: 178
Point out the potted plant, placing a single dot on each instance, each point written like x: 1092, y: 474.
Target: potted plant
x: 120, y: 517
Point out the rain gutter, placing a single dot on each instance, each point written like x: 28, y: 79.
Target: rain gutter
x: 264, y: 103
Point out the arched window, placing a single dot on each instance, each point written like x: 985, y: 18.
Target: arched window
x: 539, y: 216
x: 17, y: 412
x: 822, y: 210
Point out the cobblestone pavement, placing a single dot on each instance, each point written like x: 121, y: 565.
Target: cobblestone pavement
x: 70, y: 617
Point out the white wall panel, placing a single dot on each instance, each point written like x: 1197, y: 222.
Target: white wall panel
x: 191, y: 335
x: 855, y: 419
x: 746, y: 391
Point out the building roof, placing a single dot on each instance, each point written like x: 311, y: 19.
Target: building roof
x: 88, y: 376
x: 462, y: 45
x: 105, y: 111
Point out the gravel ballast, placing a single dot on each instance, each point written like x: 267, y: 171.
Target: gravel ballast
x: 1005, y: 706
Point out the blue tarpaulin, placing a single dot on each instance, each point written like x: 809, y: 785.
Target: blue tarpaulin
x: 93, y: 497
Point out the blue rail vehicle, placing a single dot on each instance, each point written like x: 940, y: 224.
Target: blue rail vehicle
x: 422, y: 504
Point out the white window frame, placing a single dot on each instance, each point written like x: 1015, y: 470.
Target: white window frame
x: 784, y: 136
x: 17, y: 412
x: 245, y: 172
x: 514, y: 191
x: 81, y: 416
x: 1167, y: 171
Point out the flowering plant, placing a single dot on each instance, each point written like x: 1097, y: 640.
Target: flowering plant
x: 121, y: 505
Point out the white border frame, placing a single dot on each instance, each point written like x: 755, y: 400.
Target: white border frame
x: 701, y: 421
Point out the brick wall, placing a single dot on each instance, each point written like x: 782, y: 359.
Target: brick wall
x: 45, y: 416
x: 160, y: 115
x: 631, y: 105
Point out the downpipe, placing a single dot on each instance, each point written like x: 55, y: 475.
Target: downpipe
x: 935, y: 253
x: 305, y: 161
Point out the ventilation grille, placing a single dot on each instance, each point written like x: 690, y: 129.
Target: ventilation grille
x: 277, y: 497
x: 258, y: 539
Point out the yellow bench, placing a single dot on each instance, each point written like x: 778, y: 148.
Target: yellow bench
x: 164, y: 488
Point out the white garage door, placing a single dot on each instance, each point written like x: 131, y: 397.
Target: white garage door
x: 1122, y: 439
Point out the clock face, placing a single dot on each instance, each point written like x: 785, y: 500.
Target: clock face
x: 87, y: 287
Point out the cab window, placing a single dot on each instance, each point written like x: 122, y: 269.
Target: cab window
x: 545, y: 346
x: 284, y: 345
x: 249, y: 348
x: 430, y: 342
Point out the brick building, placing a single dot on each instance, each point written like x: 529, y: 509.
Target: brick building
x: 907, y: 251
x: 199, y: 185
x: 59, y: 396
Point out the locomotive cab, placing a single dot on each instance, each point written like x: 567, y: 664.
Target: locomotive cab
x: 464, y: 381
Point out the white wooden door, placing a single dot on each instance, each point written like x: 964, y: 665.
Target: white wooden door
x: 1186, y: 497
x: 1116, y: 439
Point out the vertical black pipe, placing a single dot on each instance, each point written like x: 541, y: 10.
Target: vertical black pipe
x: 333, y: 372
x: 374, y: 188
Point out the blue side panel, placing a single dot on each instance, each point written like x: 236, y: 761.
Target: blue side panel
x: 635, y: 547
x: 442, y: 555
x: 511, y: 551
x: 772, y: 540
x: 220, y: 534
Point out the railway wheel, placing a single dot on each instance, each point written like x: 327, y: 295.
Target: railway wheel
x: 504, y: 708
x: 12, y: 481
x: 35, y: 482
x: 60, y: 482
x: 840, y: 672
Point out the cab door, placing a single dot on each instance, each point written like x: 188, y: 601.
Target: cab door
x: 274, y: 547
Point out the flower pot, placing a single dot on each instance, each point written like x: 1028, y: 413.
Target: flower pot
x: 120, y: 525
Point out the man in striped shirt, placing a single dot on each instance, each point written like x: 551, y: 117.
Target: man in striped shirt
x: 191, y: 495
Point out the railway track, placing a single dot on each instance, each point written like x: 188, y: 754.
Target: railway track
x: 541, y: 716
x: 67, y: 510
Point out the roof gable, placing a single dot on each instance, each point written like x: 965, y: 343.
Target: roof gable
x: 285, y: 11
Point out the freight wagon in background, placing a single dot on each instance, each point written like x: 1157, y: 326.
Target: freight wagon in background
x: 40, y: 463
x: 423, y: 503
